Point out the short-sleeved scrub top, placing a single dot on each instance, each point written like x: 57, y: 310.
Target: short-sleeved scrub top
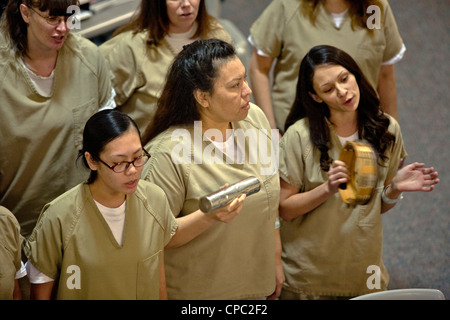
x: 284, y: 33
x: 73, y: 243
x: 139, y: 71
x: 10, y: 252
x: 333, y: 249
x: 40, y: 136
x: 233, y: 260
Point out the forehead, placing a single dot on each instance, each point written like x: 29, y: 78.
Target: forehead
x: 230, y: 69
x: 327, y: 72
x: 127, y: 142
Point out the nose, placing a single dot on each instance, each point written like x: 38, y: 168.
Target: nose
x: 62, y: 25
x: 341, y: 91
x: 246, y: 91
x: 131, y: 169
x: 185, y: 3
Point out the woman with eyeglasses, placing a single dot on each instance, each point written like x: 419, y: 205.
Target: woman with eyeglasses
x: 140, y: 53
x: 51, y: 82
x: 105, y: 238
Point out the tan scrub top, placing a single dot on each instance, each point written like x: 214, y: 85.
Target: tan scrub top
x: 40, y: 136
x: 233, y: 260
x: 10, y: 252
x: 73, y: 243
x: 328, y: 251
x: 284, y: 33
x: 139, y: 71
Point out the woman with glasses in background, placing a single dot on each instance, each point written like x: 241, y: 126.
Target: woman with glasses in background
x: 140, y: 53
x: 51, y: 82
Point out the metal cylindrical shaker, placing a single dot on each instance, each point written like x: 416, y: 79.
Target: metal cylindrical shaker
x: 224, y: 196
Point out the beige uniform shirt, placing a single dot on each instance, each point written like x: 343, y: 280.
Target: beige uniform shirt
x: 73, y: 243
x: 328, y: 251
x: 139, y: 72
x: 40, y: 136
x: 284, y: 33
x: 227, y: 261
x: 10, y: 252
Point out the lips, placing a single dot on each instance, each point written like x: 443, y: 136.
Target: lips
x: 132, y: 184
x: 59, y: 38
x: 349, y: 102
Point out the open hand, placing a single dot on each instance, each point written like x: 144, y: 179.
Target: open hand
x: 415, y: 177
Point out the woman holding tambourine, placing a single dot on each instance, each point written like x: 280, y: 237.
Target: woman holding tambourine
x: 338, y: 166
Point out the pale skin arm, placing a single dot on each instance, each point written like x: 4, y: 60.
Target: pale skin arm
x: 194, y: 224
x: 259, y: 72
x: 413, y: 177
x: 294, y: 204
x: 387, y: 90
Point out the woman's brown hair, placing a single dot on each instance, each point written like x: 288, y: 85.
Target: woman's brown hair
x: 13, y: 25
x: 357, y: 10
x: 372, y: 122
x: 152, y: 17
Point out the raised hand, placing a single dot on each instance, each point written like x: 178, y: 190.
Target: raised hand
x: 415, y: 177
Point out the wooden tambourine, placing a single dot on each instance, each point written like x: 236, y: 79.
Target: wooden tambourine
x: 362, y: 165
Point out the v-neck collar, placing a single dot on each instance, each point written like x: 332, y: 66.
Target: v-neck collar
x: 103, y: 221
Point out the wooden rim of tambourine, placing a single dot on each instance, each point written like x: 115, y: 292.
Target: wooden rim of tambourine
x: 362, y: 165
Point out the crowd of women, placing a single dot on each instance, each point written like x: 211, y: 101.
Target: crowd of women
x: 101, y: 172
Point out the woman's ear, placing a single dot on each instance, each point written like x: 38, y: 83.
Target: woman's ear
x: 315, y: 97
x: 202, y: 98
x: 25, y: 12
x: 93, y: 165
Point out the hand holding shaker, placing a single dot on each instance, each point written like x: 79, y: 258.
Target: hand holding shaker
x: 224, y: 196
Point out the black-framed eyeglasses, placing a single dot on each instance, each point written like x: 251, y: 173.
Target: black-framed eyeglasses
x: 124, y: 165
x: 52, y: 20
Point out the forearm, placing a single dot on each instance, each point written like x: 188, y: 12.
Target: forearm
x: 42, y: 291
x: 391, y: 193
x: 260, y: 83
x: 387, y: 90
x: 304, y: 202
x: 189, y: 227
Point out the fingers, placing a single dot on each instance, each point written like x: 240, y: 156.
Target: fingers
x: 227, y: 213
x: 338, y: 175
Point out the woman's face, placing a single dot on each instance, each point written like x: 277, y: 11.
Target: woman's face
x: 337, y: 87
x: 230, y: 98
x: 41, y: 34
x: 182, y: 14
x: 126, y: 147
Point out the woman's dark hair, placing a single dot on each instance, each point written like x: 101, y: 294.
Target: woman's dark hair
x: 16, y: 28
x: 195, y: 67
x: 372, y: 123
x: 100, y: 129
x: 152, y: 17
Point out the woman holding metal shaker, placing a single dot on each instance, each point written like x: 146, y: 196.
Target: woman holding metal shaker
x: 203, y: 137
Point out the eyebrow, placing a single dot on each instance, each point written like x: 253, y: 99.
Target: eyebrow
x: 124, y: 155
x: 237, y: 79
x: 339, y: 75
